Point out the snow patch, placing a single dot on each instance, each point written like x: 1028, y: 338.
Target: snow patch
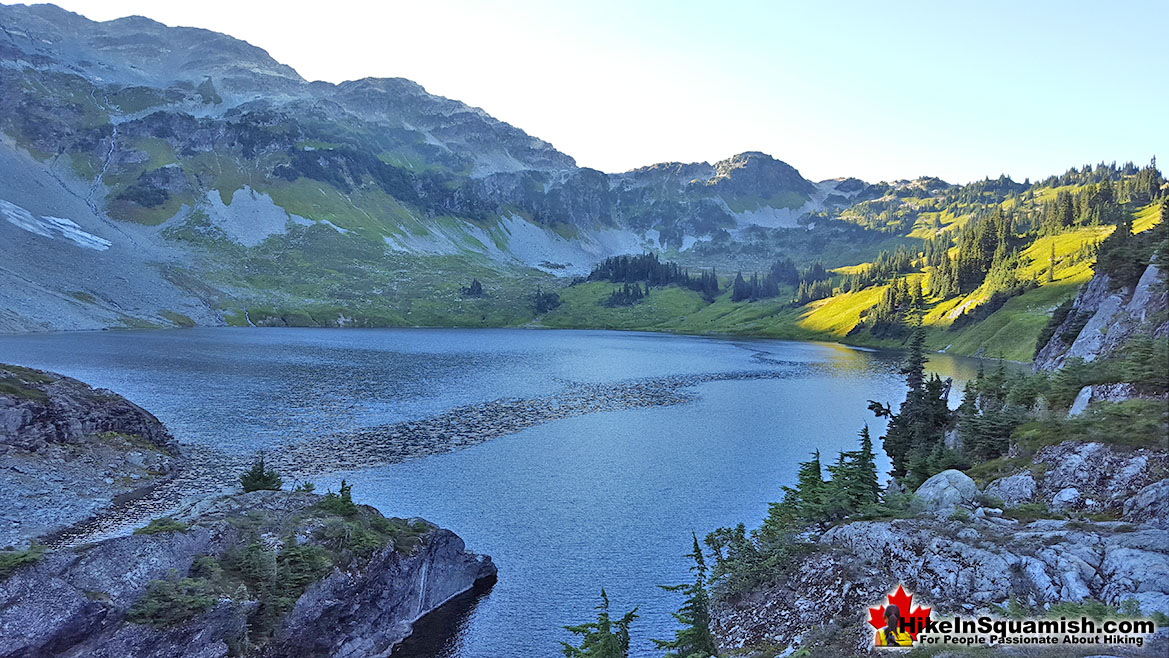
x: 334, y: 226
x: 51, y: 227
x: 769, y: 217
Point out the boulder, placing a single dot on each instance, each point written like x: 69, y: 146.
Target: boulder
x: 1080, y: 404
x: 1013, y: 489
x: 1150, y: 505
x: 947, y: 489
x: 1065, y: 498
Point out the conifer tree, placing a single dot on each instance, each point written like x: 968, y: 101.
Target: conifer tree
x: 866, y: 488
x: 603, y: 638
x: 921, y: 422
x: 694, y: 639
x: 807, y: 497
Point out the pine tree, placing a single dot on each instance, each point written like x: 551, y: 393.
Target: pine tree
x: 694, y: 639
x: 603, y: 638
x: 807, y: 498
x: 914, y: 366
x: 867, y: 488
x: 260, y: 477
x: 474, y: 290
x: 921, y: 422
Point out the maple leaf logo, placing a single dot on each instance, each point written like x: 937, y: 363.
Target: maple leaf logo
x: 912, y: 621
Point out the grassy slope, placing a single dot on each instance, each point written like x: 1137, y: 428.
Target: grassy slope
x: 1009, y: 333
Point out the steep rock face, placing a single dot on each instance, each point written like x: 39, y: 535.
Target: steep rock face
x: 1108, y: 318
x: 352, y: 615
x: 75, y: 602
x: 68, y: 450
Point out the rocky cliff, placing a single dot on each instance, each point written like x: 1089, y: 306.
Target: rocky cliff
x: 1104, y: 316
x: 67, y: 451
x: 266, y: 573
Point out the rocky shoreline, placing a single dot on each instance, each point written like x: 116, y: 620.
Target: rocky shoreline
x: 964, y: 555
x: 268, y: 573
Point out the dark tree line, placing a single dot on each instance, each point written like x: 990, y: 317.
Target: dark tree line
x: 627, y: 295
x: 813, y: 282
x: 648, y: 269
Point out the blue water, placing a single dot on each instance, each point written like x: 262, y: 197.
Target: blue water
x: 607, y: 499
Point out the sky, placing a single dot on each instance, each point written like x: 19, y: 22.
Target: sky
x: 881, y: 91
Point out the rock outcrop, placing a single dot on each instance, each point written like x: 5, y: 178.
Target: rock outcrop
x: 961, y: 564
x: 67, y: 451
x: 266, y: 573
x: 1108, y: 317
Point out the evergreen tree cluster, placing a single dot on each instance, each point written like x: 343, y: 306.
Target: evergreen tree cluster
x: 992, y: 407
x: 1131, y: 184
x: 888, y: 264
x: 604, y: 638
x: 899, y: 301
x: 543, y: 301
x: 627, y: 295
x: 474, y: 290
x: 744, y: 560
x: 694, y: 639
x: 915, y: 436
x: 1123, y: 256
x: 648, y: 269
x: 852, y: 488
x: 810, y: 291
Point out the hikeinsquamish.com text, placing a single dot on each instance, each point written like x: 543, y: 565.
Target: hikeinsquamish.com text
x: 991, y: 631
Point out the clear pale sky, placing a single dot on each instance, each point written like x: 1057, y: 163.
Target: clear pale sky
x: 880, y: 91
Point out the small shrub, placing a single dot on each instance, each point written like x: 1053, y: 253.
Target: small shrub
x: 206, y: 567
x: 1028, y: 512
x: 1130, y: 608
x: 1090, y: 608
x: 162, y: 524
x: 259, y: 477
x: 11, y: 560
x: 960, y: 514
x: 1012, y: 610
x: 339, y: 503
x: 305, y: 487
x: 168, y: 603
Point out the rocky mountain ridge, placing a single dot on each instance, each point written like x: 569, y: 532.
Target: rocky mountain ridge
x: 166, y: 154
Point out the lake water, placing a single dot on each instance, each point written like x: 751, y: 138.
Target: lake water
x: 603, y: 499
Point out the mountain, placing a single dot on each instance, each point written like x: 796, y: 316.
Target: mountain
x: 155, y: 175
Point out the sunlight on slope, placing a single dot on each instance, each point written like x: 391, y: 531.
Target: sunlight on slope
x: 838, y: 315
